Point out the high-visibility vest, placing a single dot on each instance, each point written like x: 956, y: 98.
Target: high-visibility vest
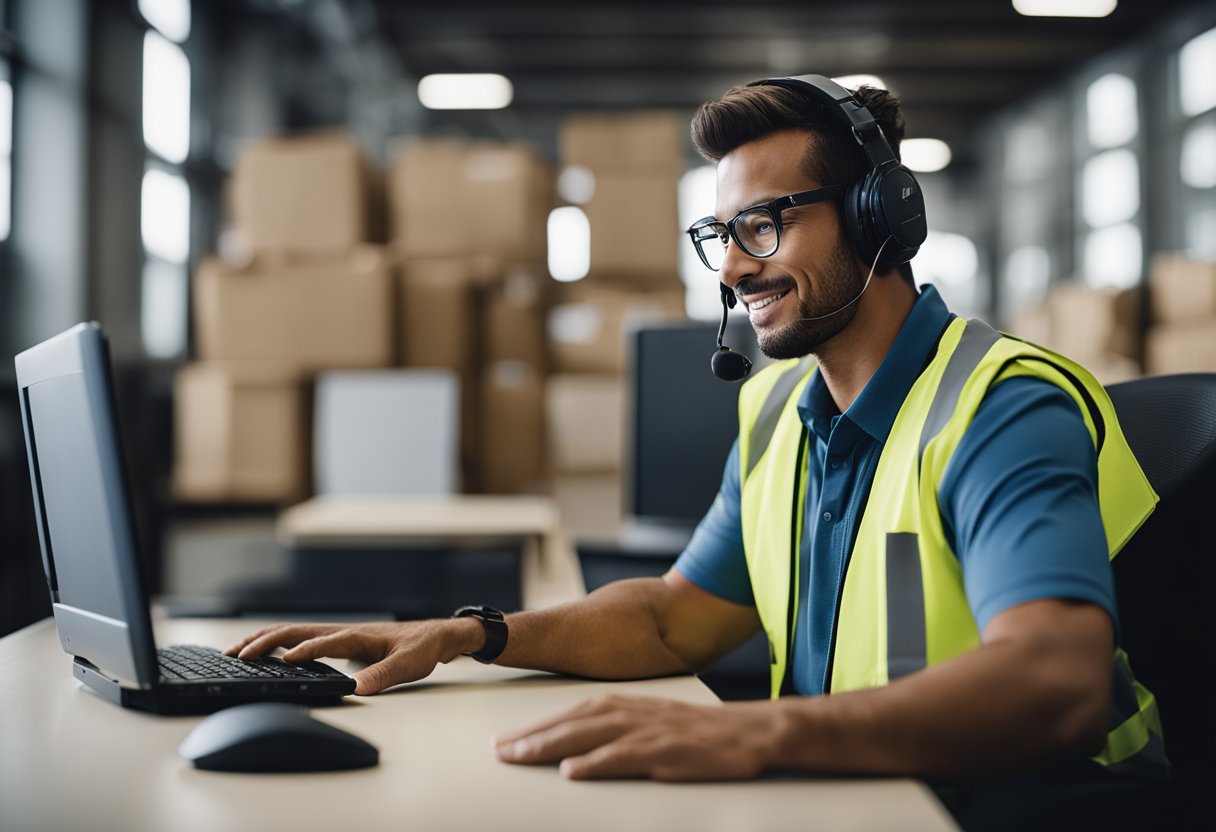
x: 903, y: 606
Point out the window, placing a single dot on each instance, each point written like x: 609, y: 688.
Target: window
x: 169, y: 17
x: 697, y: 193
x: 1110, y: 188
x: 6, y: 157
x: 165, y: 219
x: 1110, y: 111
x: 166, y: 98
x: 1035, y: 244
x: 1114, y: 256
x: 1196, y: 129
x: 1112, y: 247
x: 165, y: 195
x: 951, y: 262
x: 1197, y: 162
x: 1029, y: 272
x: 1197, y: 74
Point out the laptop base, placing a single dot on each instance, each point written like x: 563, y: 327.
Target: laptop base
x: 196, y: 700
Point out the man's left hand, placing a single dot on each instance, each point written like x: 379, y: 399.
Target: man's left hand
x: 619, y: 736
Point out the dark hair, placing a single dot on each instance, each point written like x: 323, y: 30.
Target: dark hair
x: 753, y: 111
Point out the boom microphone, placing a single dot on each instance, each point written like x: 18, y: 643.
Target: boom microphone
x: 727, y: 364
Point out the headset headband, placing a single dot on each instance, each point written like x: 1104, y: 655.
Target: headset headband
x: 840, y: 103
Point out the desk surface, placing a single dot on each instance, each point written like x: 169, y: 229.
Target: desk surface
x: 380, y: 519
x: 71, y: 760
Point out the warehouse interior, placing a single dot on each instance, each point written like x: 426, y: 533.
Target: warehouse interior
x: 321, y: 278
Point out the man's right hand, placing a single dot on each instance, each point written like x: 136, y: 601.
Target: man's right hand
x: 397, y: 652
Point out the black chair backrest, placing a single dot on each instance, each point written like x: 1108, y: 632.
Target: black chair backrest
x: 1165, y: 578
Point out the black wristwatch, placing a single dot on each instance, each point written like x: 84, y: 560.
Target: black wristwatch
x: 496, y: 631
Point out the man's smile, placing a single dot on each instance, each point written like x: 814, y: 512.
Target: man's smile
x: 763, y: 304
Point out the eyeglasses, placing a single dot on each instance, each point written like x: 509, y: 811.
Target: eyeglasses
x: 756, y: 230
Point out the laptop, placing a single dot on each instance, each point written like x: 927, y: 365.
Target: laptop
x: 91, y: 556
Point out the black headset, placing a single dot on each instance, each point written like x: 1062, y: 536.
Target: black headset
x: 884, y: 211
x: 886, y: 206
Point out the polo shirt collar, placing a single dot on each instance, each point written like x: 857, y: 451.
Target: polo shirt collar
x: 874, y: 410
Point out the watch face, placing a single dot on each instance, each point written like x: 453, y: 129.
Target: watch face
x: 480, y: 611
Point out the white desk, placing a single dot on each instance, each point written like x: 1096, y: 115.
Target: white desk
x: 70, y: 760
x: 550, y: 573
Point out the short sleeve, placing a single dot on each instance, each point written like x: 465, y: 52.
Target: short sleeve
x: 1019, y: 503
x: 713, y: 558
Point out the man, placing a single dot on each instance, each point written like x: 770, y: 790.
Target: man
x: 940, y: 570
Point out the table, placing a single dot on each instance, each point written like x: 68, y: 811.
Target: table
x: 549, y: 572
x: 71, y: 760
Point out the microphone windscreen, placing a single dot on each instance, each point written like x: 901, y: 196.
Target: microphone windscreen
x: 729, y: 365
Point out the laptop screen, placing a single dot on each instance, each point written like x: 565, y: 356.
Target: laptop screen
x: 84, y: 522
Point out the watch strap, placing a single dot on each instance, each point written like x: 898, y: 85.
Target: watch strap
x: 495, y: 625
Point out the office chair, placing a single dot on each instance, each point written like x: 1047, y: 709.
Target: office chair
x: 1165, y: 577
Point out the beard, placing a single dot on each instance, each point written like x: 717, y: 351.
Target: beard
x: 839, y: 283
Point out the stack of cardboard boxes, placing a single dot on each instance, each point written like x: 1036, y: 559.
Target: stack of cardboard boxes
x: 315, y: 295
x: 468, y: 221
x: 1104, y: 328
x: 635, y: 161
x: 461, y: 286
x: 1182, y: 338
x: 1098, y: 328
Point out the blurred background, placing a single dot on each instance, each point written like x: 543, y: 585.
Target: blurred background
x: 299, y: 219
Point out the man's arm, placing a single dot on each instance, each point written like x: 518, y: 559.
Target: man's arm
x: 630, y: 629
x: 1038, y: 688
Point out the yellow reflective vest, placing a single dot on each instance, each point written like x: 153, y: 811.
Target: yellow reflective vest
x: 903, y: 606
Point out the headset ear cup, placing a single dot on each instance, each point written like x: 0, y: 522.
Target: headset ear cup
x: 853, y: 222
x: 886, y: 219
x: 899, y: 205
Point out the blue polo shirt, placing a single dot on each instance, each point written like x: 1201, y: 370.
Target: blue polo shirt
x: 1019, y: 499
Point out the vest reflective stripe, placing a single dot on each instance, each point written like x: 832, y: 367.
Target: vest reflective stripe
x: 774, y: 404
x: 1135, y: 734
x: 976, y: 341
x: 903, y: 605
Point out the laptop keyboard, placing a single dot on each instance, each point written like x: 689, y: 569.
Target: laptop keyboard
x: 191, y: 663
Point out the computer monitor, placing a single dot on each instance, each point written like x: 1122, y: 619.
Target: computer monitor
x: 89, y: 550
x: 683, y: 420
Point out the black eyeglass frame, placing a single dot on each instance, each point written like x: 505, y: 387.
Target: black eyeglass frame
x: 773, y: 209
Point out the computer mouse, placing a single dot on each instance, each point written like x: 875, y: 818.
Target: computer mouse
x: 273, y: 736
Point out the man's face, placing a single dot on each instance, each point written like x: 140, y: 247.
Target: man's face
x: 814, y: 271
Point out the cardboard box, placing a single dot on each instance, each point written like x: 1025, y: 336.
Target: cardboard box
x: 311, y: 194
x: 426, y: 199
x: 452, y: 198
x: 591, y: 506
x: 511, y: 458
x: 509, y: 194
x: 315, y: 315
x: 438, y: 312
x: 1181, y: 348
x: 585, y: 423
x: 1032, y: 323
x: 633, y: 140
x: 1183, y: 290
x: 241, y: 434
x: 587, y: 323
x: 635, y: 225
x: 513, y: 318
x: 1088, y: 323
